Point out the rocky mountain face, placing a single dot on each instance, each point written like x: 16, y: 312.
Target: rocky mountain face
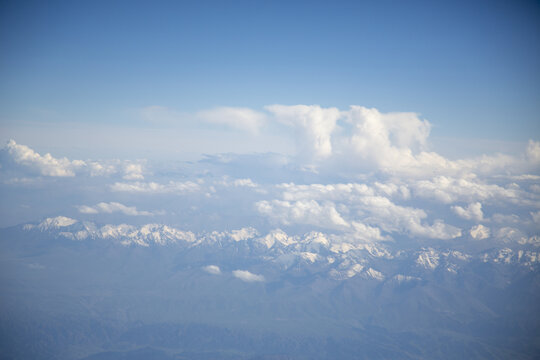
x: 155, y: 291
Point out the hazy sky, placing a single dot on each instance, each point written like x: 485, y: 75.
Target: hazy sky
x: 96, y: 78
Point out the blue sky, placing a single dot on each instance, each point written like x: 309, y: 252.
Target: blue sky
x: 470, y: 68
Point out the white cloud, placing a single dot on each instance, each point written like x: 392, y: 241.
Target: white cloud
x: 449, y: 190
x: 212, y: 269
x: 101, y: 169
x: 395, y: 218
x: 390, y: 217
x: 329, y: 192
x: 535, y: 216
x: 506, y: 218
x: 313, y: 124
x: 238, y: 118
x: 244, y: 182
x: 247, y: 276
x: 386, y: 140
x: 133, y: 171
x: 533, y: 151
x: 109, y: 208
x: 46, y: 165
x: 157, y: 188
x: 303, y: 212
x: 510, y: 234
x: 479, y: 232
x: 367, y: 233
x: 393, y: 143
x: 302, y: 205
x: 471, y: 212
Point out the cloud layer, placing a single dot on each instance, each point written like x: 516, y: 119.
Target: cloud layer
x: 109, y: 208
x: 360, y: 176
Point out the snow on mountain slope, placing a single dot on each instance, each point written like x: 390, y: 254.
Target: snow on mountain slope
x: 338, y: 257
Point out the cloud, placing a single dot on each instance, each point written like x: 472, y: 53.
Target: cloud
x: 392, y: 143
x: 109, y: 208
x: 303, y: 212
x: 314, y: 127
x: 386, y: 140
x: 176, y: 187
x: 100, y: 168
x: 318, y: 205
x: 511, y: 234
x: 133, y: 171
x: 390, y: 217
x: 448, y: 190
x: 46, y: 165
x: 245, y: 182
x: 535, y: 216
x: 479, y: 232
x: 533, y: 151
x: 212, y: 269
x: 471, y: 212
x: 247, y: 276
x: 243, y: 119
x: 366, y: 233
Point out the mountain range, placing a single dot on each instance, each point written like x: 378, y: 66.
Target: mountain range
x: 80, y: 290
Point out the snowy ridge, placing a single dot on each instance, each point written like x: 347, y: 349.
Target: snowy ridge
x: 339, y: 257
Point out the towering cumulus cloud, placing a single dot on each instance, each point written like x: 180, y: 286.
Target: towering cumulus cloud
x: 314, y: 126
x: 46, y: 165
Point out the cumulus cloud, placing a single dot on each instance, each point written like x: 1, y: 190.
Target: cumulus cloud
x: 448, y: 190
x: 392, y: 143
x: 535, y: 216
x: 386, y: 140
x: 176, y: 187
x: 310, y: 204
x: 471, y: 212
x: 238, y: 118
x: 247, y: 276
x: 100, y: 168
x: 109, y: 208
x: 511, y: 234
x: 46, y: 165
x: 245, y: 182
x: 303, y: 212
x: 533, y: 151
x: 212, y: 269
x: 133, y: 171
x: 395, y: 218
x: 314, y: 126
x: 366, y: 233
x: 479, y: 232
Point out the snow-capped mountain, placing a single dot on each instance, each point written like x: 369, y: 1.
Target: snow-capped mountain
x: 143, y: 285
x: 335, y: 256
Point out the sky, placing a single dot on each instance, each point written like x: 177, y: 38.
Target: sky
x: 219, y: 116
x: 130, y: 79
